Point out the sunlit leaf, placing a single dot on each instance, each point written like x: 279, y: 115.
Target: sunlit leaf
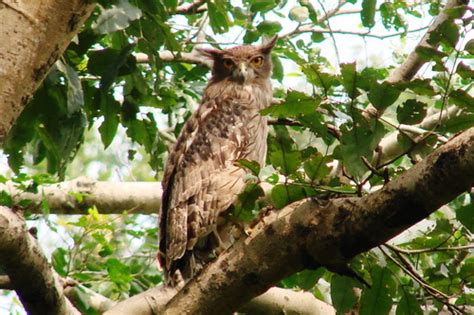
x: 367, y: 14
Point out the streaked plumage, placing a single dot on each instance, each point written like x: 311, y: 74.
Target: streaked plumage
x: 201, y: 179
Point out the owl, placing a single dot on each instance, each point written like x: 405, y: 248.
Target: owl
x: 202, y: 178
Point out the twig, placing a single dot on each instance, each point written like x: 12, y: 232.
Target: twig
x: 428, y: 250
x: 308, y: 29
x: 196, y: 6
x: 408, y: 268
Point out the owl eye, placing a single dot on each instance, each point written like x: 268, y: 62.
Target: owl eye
x: 257, y: 62
x: 228, y: 63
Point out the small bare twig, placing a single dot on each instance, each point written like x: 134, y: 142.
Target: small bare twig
x: 197, y: 6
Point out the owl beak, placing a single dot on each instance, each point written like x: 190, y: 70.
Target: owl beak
x: 241, y: 73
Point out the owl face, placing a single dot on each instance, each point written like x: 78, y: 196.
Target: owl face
x: 241, y: 64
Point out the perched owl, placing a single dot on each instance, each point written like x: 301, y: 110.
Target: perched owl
x: 201, y: 178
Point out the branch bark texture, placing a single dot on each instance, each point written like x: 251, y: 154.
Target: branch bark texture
x: 275, y: 301
x: 76, y: 196
x: 28, y: 270
x: 34, y: 34
x: 311, y: 233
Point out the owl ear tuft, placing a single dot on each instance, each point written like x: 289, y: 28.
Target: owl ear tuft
x: 210, y: 52
x: 267, y: 46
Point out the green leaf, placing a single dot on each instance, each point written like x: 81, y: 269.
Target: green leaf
x: 465, y: 215
x: 377, y: 300
x: 110, y: 63
x: 469, y: 47
x: 296, y: 103
x: 59, y: 260
x: 5, y: 199
x: 269, y: 27
x: 164, y: 32
x: 408, y: 305
x: 465, y: 71
x: 45, y: 210
x: 391, y: 17
x: 349, y: 79
x: 428, y: 53
x: 110, y: 109
x: 218, y: 17
x: 252, y: 166
x: 282, y: 154
x: 447, y: 32
x: 305, y: 280
x: 342, y: 293
x: 119, y: 273
x: 367, y: 14
x: 247, y: 207
x: 458, y: 123
x: 315, y: 122
x: 278, y: 72
x: 383, y: 95
x: 467, y: 271
x: 283, y: 195
x: 462, y: 99
x: 263, y: 5
x: 419, y: 86
x: 251, y: 36
x: 316, y: 168
x: 319, y: 78
x: 356, y: 141
x: 118, y: 17
x: 317, y: 37
x: 75, y: 95
x: 411, y: 112
x: 368, y: 76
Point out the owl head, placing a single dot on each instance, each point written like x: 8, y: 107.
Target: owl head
x: 242, y: 64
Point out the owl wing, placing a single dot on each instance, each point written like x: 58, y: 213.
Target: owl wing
x: 201, y: 179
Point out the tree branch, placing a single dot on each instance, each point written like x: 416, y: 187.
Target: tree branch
x: 389, y: 146
x: 28, y: 270
x: 311, y: 233
x: 274, y: 301
x: 76, y: 196
x: 197, y: 6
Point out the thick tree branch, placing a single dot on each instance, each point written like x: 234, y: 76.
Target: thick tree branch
x: 33, y: 36
x: 274, y: 301
x: 76, y: 196
x: 28, y: 270
x: 192, y: 57
x: 308, y: 233
x: 389, y: 146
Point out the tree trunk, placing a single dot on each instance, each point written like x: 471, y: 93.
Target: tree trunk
x: 33, y: 36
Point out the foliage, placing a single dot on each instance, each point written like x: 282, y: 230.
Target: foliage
x: 321, y: 143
